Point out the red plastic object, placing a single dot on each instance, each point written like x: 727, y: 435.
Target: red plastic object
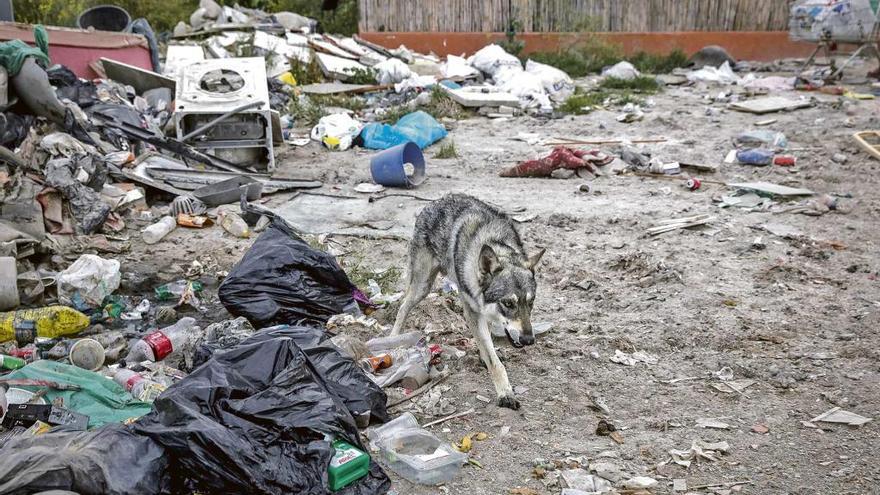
x: 784, y: 160
x: 560, y: 157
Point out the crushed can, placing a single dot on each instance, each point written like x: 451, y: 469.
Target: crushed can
x: 693, y: 184
x: 785, y: 160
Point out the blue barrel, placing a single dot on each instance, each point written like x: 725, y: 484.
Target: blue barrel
x: 388, y: 167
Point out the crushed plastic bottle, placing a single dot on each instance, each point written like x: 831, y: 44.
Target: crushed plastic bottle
x: 11, y: 363
x: 49, y: 322
x: 139, y: 387
x: 174, y: 290
x: 155, y: 232
x: 159, y: 344
x: 235, y: 225
x: 757, y: 156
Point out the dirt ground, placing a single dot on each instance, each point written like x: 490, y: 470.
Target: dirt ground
x: 796, y: 315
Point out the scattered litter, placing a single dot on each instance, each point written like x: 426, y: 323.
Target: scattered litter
x: 712, y: 423
x: 769, y: 104
x: 621, y: 357
x: 733, y: 386
x: 668, y: 225
x: 699, y: 450
x: 838, y: 415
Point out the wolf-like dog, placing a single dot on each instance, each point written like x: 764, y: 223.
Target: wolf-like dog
x: 480, y: 250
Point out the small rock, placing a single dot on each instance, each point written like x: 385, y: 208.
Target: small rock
x: 562, y: 173
x: 639, y: 483
x: 606, y: 470
x: 839, y: 158
x: 579, y: 479
x: 760, y: 428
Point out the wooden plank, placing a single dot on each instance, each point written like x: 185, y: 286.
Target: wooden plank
x: 342, y: 88
x: 772, y: 189
x: 769, y: 104
x: 869, y: 141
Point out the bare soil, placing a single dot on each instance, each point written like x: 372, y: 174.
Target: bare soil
x: 798, y: 316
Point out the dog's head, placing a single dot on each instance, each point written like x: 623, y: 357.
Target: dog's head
x: 509, y: 293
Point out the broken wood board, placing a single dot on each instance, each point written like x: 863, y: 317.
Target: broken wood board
x: 703, y: 167
x: 373, y: 46
x: 331, y: 49
x: 467, y: 97
x: 671, y: 224
x: 869, y: 141
x: 334, y: 88
x: 139, y: 79
x: 769, y: 104
x: 838, y: 415
x: 768, y: 188
x: 338, y: 67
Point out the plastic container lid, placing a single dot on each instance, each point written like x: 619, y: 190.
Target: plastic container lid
x: 87, y: 354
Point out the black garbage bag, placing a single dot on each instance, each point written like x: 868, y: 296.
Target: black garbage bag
x: 67, y: 85
x: 283, y: 280
x: 344, y: 377
x: 253, y: 419
x: 14, y: 128
x: 109, y: 460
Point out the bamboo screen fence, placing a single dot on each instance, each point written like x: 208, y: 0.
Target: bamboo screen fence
x: 574, y: 15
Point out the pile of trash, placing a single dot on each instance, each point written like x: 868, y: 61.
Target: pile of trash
x: 491, y: 80
x: 88, y: 163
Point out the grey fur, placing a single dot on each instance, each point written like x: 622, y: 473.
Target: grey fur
x: 478, y: 247
x: 712, y: 55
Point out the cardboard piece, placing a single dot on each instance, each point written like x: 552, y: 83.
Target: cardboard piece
x: 838, y: 415
x: 771, y: 189
x: 139, y: 79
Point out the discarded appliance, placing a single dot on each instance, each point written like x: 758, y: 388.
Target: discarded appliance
x: 222, y: 108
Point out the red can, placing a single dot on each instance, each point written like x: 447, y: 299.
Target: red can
x: 784, y: 160
x: 693, y: 184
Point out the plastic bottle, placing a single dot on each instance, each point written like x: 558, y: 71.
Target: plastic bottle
x: 174, y: 290
x: 157, y: 345
x: 50, y: 322
x: 755, y: 156
x: 235, y: 225
x: 11, y: 363
x: 138, y: 386
x: 154, y: 233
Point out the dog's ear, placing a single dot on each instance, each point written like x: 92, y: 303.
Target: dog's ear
x: 489, y: 264
x: 533, y: 260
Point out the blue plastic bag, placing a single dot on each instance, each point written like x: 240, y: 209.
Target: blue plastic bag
x: 418, y: 127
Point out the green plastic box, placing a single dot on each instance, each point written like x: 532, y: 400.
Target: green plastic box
x: 347, y: 465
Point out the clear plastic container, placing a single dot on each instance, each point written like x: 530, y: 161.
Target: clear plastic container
x: 155, y: 232
x: 415, y: 453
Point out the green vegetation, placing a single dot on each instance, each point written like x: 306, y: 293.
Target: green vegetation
x: 393, y: 114
x: 360, y: 272
x: 583, y: 102
x: 510, y: 43
x: 644, y: 84
x: 362, y: 76
x: 593, y: 54
x: 305, y: 111
x: 442, y: 106
x: 165, y: 14
x: 658, y: 64
x: 306, y: 73
x: 447, y: 150
x: 353, y: 103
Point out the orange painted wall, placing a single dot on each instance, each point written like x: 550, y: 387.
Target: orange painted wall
x: 750, y: 45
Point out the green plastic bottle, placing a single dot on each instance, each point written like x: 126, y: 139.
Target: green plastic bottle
x: 347, y: 465
x: 11, y: 363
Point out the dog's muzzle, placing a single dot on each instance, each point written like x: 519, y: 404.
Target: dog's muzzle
x: 523, y: 340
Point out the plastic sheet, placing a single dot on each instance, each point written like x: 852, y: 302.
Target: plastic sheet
x: 112, y: 460
x: 88, y: 281
x: 492, y: 59
x: 556, y: 82
x: 336, y: 131
x: 102, y: 400
x: 253, y: 420
x: 282, y: 280
x: 838, y: 20
x: 417, y: 127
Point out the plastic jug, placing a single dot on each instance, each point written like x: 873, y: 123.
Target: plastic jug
x: 50, y: 322
x: 154, y: 233
x: 347, y: 465
x: 138, y: 386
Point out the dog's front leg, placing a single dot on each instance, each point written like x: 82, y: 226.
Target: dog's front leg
x: 503, y: 390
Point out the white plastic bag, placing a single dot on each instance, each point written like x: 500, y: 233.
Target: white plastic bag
x: 392, y: 71
x: 88, y: 281
x: 457, y: 67
x: 337, y: 131
x: 722, y: 75
x: 556, y: 82
x: 524, y: 85
x: 493, y: 59
x: 622, y: 70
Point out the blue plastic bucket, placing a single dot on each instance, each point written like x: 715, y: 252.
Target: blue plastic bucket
x: 389, y: 167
